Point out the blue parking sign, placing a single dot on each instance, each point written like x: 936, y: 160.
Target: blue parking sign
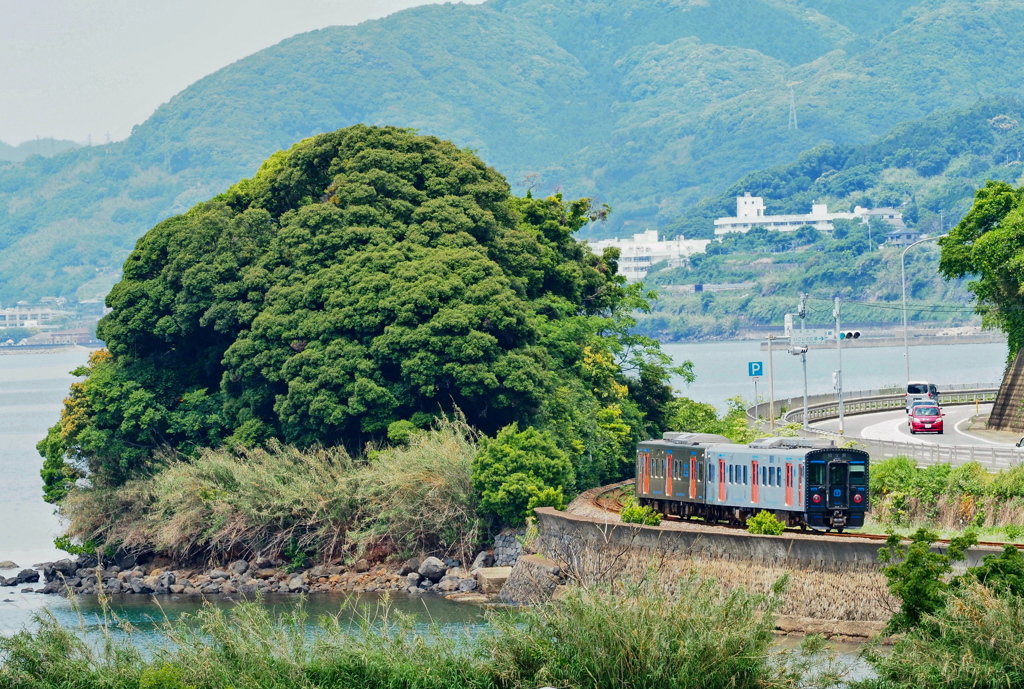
x: 755, y: 368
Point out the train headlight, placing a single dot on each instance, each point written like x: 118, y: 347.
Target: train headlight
x: 815, y: 498
x: 858, y: 498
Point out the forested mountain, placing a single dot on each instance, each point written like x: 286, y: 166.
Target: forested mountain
x: 929, y: 168
x: 649, y: 105
x: 41, y: 147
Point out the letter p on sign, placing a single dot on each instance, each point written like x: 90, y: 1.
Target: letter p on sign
x: 755, y: 368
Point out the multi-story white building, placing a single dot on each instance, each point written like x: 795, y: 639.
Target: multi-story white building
x: 750, y: 214
x: 31, y: 317
x: 638, y: 254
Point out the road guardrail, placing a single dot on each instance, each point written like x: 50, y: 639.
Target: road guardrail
x: 821, y: 407
x: 992, y: 458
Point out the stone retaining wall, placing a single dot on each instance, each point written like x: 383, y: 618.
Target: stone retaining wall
x: 564, y: 536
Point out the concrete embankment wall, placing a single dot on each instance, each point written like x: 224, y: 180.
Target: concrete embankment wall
x: 565, y: 536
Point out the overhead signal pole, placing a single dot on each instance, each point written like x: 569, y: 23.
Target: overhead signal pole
x: 839, y: 373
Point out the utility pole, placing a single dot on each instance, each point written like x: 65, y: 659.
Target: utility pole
x: 802, y: 312
x: 771, y: 385
x: 839, y: 378
x: 792, y: 111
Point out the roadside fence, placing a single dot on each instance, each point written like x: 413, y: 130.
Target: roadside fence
x: 992, y: 458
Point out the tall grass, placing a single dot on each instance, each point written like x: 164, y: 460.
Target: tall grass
x: 320, y: 502
x: 976, y: 641
x: 590, y: 638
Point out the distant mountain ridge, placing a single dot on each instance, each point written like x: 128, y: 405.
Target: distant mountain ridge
x: 43, y: 147
x: 649, y: 105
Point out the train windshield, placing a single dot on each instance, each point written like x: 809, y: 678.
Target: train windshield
x: 837, y: 474
x: 858, y: 475
x: 816, y: 474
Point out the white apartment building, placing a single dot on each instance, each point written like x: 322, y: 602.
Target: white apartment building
x: 638, y: 254
x: 30, y: 317
x: 750, y: 214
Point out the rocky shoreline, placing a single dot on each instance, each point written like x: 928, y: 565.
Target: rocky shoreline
x: 84, y: 576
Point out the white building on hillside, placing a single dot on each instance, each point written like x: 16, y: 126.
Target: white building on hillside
x: 750, y: 214
x: 638, y: 254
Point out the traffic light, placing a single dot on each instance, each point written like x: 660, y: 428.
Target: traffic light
x: 850, y: 335
x: 795, y: 351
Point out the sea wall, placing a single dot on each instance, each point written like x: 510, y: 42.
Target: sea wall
x: 565, y: 537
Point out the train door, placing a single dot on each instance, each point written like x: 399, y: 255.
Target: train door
x: 754, y: 492
x: 693, y: 475
x: 721, y: 479
x: 647, y: 473
x: 670, y: 470
x: 838, y: 485
x: 789, y: 483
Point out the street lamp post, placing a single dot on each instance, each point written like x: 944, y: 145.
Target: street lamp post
x: 903, y: 277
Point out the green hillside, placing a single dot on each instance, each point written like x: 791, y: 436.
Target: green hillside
x: 42, y: 147
x: 649, y: 105
x: 928, y: 168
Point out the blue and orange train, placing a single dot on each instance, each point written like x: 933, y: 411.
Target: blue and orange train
x: 805, y: 483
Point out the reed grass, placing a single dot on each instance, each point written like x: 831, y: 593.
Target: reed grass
x: 320, y: 502
x: 591, y: 638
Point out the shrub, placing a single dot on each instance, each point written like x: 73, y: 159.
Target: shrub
x: 917, y: 576
x: 975, y: 642
x: 1014, y: 532
x: 765, y: 522
x: 517, y: 469
x: 633, y: 513
x: 1009, y: 483
x: 968, y: 479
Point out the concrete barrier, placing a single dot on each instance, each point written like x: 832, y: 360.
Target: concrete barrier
x: 564, y: 537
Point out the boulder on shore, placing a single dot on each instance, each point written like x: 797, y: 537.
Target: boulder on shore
x: 7, y: 564
x: 433, y: 569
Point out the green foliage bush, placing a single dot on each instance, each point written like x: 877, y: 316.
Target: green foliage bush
x: 765, y: 522
x: 364, y: 278
x: 962, y: 634
x: 519, y: 470
x: 633, y: 513
x: 918, y: 577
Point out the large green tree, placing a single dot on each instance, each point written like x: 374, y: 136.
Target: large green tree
x: 988, y: 244
x: 363, y: 278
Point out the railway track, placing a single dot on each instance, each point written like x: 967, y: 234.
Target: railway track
x: 611, y: 501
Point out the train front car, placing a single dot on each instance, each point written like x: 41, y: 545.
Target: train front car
x: 837, y: 488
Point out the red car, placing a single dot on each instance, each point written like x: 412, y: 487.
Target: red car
x: 924, y: 419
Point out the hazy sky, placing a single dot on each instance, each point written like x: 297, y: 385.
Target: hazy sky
x: 71, y: 68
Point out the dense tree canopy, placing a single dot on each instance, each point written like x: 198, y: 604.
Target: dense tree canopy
x: 363, y: 278
x: 988, y: 244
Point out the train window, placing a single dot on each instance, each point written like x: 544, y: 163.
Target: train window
x: 730, y: 473
x: 711, y: 473
x: 837, y: 475
x: 773, y: 476
x: 816, y: 474
x: 764, y: 476
x: 745, y: 475
x: 858, y: 474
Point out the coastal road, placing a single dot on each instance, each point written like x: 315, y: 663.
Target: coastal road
x: 892, y: 425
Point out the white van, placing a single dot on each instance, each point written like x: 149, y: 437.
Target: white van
x: 921, y: 390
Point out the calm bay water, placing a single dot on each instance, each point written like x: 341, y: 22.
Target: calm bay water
x: 721, y: 368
